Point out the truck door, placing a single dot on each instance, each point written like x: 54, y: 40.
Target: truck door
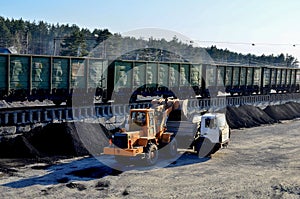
x: 223, y: 127
x: 209, y: 129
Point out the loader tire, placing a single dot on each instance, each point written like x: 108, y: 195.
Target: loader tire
x: 151, y: 155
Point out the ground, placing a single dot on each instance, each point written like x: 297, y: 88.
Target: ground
x: 260, y: 162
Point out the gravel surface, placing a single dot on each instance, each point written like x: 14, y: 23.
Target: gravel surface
x: 260, y: 162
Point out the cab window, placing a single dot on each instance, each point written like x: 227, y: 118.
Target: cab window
x: 210, y: 123
x: 138, y: 118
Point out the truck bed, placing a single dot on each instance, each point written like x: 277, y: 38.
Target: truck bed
x: 184, y: 132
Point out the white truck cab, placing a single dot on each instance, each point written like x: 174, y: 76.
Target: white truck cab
x: 207, y: 133
x: 213, y: 134
x: 215, y: 128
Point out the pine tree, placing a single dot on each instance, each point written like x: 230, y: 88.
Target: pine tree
x: 74, y: 45
x: 5, y: 36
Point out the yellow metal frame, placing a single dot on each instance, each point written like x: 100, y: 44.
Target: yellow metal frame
x: 123, y: 152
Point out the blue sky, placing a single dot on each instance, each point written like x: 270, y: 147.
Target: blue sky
x: 266, y: 23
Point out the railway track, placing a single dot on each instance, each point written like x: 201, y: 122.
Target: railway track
x: 20, y: 116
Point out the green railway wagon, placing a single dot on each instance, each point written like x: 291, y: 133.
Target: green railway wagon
x: 4, y: 77
x: 242, y: 80
x: 81, y: 80
x: 129, y: 80
x: 60, y: 79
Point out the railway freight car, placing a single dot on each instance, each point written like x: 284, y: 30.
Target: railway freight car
x: 249, y: 80
x: 34, y: 77
x: 130, y: 79
x: 242, y: 80
x: 280, y: 79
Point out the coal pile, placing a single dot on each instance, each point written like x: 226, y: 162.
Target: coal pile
x: 18, y: 147
x: 247, y: 116
x: 58, y: 139
x: 288, y: 111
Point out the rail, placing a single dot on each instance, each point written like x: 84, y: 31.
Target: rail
x: 35, y: 115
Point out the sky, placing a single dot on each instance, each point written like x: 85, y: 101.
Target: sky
x: 273, y: 26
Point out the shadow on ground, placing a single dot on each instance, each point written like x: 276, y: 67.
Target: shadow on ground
x: 90, y: 168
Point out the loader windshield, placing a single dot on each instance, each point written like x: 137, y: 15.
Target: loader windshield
x: 138, y: 118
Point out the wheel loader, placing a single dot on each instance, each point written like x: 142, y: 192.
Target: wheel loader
x: 145, y: 133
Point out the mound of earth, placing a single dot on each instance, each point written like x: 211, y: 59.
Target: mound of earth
x: 250, y: 116
x: 246, y: 116
x: 286, y: 111
x: 57, y: 139
x: 18, y: 147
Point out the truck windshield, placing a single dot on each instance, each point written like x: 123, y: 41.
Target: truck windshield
x: 210, y: 123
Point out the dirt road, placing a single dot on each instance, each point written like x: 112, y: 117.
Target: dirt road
x: 260, y: 162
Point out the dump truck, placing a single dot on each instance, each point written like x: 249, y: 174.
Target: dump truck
x: 205, y: 134
x: 152, y: 131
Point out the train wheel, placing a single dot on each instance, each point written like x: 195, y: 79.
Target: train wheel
x: 57, y: 102
x: 104, y: 100
x: 69, y: 102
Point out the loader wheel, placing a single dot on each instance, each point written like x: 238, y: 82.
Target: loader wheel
x: 151, y: 155
x: 57, y: 102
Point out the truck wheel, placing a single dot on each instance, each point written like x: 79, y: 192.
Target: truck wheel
x: 172, y: 148
x: 204, y: 148
x: 151, y: 155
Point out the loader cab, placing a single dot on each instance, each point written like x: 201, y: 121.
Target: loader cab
x: 142, y: 120
x: 138, y: 118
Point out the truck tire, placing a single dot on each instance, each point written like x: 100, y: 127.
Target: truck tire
x: 204, y: 148
x: 57, y: 102
x: 151, y: 155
